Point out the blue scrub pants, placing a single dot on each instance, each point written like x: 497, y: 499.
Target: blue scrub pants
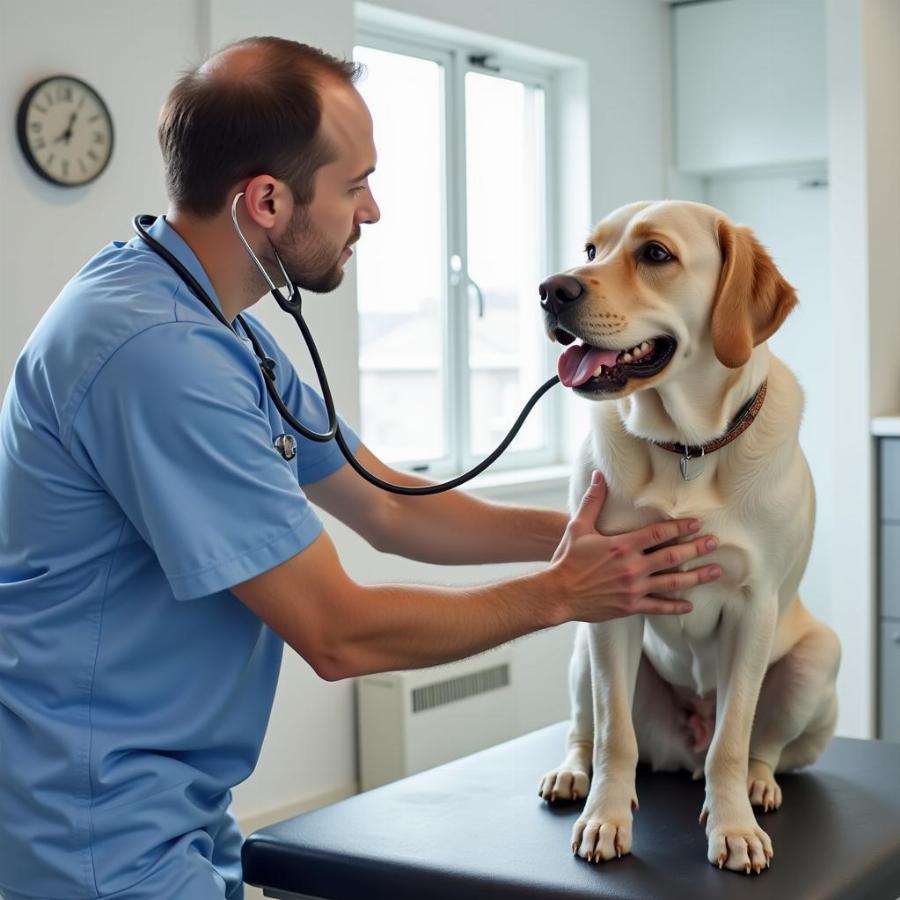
x: 201, y: 865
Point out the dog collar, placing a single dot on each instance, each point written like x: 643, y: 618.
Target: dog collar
x: 694, y: 454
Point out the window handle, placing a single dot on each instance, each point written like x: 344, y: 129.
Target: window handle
x: 457, y: 274
x: 480, y: 295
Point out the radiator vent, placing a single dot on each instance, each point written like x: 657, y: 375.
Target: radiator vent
x: 441, y: 692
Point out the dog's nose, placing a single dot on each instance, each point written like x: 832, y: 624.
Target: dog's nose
x: 558, y: 290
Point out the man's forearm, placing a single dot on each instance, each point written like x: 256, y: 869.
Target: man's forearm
x: 405, y: 627
x: 458, y: 528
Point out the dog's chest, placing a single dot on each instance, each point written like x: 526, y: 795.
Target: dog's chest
x: 683, y: 648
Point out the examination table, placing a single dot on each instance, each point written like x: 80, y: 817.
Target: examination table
x: 476, y: 829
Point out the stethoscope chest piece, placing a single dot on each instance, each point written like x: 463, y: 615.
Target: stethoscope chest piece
x: 286, y: 445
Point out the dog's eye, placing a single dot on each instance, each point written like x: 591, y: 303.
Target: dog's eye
x: 591, y: 251
x: 655, y: 253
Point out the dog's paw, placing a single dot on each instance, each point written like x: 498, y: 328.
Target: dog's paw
x: 602, y: 835
x: 564, y: 783
x: 736, y: 842
x: 762, y: 788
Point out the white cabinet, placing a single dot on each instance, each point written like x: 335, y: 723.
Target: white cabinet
x: 750, y: 84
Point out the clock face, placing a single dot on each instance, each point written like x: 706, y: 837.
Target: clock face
x: 65, y: 131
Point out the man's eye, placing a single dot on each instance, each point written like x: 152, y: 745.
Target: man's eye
x: 655, y: 253
x: 591, y: 251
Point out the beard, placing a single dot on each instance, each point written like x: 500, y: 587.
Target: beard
x: 316, y: 266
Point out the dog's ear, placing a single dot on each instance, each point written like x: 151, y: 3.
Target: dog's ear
x: 752, y: 299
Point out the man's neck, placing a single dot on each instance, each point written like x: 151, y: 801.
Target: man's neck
x: 234, y: 279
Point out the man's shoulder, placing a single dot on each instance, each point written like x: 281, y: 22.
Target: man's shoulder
x: 120, y: 298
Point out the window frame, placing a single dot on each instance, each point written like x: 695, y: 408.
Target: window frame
x: 456, y: 299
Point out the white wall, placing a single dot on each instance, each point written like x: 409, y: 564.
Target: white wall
x: 47, y: 233
x: 132, y: 51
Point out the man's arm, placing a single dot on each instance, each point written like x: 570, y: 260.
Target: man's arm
x: 345, y: 629
x: 449, y: 528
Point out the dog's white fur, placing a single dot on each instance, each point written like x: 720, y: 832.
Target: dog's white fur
x: 641, y: 687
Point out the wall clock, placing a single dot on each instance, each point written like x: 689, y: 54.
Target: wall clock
x: 65, y: 130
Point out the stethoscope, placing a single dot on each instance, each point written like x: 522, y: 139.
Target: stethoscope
x: 285, y: 443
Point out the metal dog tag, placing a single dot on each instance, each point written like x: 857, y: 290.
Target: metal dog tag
x: 691, y: 466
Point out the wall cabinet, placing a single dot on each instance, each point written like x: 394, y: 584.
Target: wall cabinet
x: 750, y: 84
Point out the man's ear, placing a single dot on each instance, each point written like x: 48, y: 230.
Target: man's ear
x: 268, y: 202
x: 752, y: 299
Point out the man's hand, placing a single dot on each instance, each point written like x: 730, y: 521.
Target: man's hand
x: 603, y: 577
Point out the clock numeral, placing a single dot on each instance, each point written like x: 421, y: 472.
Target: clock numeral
x: 93, y: 155
x: 65, y: 168
x: 36, y: 126
x: 47, y: 98
x: 64, y: 93
x: 83, y: 166
x: 94, y: 117
x: 81, y: 102
x: 40, y: 143
x: 98, y: 137
x: 50, y: 159
x: 40, y: 109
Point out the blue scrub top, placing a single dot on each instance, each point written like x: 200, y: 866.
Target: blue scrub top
x: 138, y: 482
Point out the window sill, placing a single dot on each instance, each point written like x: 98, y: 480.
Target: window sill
x: 513, y: 483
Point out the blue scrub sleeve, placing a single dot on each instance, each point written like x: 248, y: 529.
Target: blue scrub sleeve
x: 175, y: 428
x: 317, y: 458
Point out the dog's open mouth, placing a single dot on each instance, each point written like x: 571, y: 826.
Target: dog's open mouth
x: 590, y: 369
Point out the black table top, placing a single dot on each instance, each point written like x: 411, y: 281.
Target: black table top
x: 476, y: 829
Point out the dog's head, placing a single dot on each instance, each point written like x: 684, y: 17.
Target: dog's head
x: 666, y: 285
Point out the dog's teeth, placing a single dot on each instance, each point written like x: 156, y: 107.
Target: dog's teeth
x: 627, y: 357
x: 598, y: 371
x: 645, y: 346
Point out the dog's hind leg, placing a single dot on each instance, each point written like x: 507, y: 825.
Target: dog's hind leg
x: 796, y: 713
x: 569, y: 781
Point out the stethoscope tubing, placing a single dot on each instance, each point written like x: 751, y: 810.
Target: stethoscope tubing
x: 292, y: 304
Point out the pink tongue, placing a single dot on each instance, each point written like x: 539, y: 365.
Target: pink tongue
x: 577, y: 363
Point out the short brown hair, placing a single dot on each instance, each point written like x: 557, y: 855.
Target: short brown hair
x: 215, y: 131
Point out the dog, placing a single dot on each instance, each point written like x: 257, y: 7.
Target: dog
x: 672, y: 310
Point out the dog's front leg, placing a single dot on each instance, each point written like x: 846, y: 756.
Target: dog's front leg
x: 603, y: 830
x: 745, y: 639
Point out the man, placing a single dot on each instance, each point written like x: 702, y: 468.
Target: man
x: 156, y: 550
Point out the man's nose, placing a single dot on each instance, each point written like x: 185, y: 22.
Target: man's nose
x: 369, y: 214
x: 558, y: 290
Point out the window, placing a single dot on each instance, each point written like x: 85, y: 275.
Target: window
x: 452, y: 342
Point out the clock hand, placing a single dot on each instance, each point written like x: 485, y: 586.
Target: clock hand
x: 67, y: 134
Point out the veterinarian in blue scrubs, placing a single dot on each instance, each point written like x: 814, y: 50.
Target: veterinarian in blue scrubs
x: 140, y: 483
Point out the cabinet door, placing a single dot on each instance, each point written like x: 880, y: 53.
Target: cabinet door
x: 750, y: 84
x: 889, y: 570
x: 889, y: 682
x: 889, y: 478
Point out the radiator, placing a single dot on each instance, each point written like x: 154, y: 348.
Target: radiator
x: 411, y: 721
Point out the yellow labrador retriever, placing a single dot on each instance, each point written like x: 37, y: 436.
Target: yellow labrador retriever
x: 668, y: 321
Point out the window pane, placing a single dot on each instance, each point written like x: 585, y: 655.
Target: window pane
x: 506, y: 257
x: 399, y: 261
